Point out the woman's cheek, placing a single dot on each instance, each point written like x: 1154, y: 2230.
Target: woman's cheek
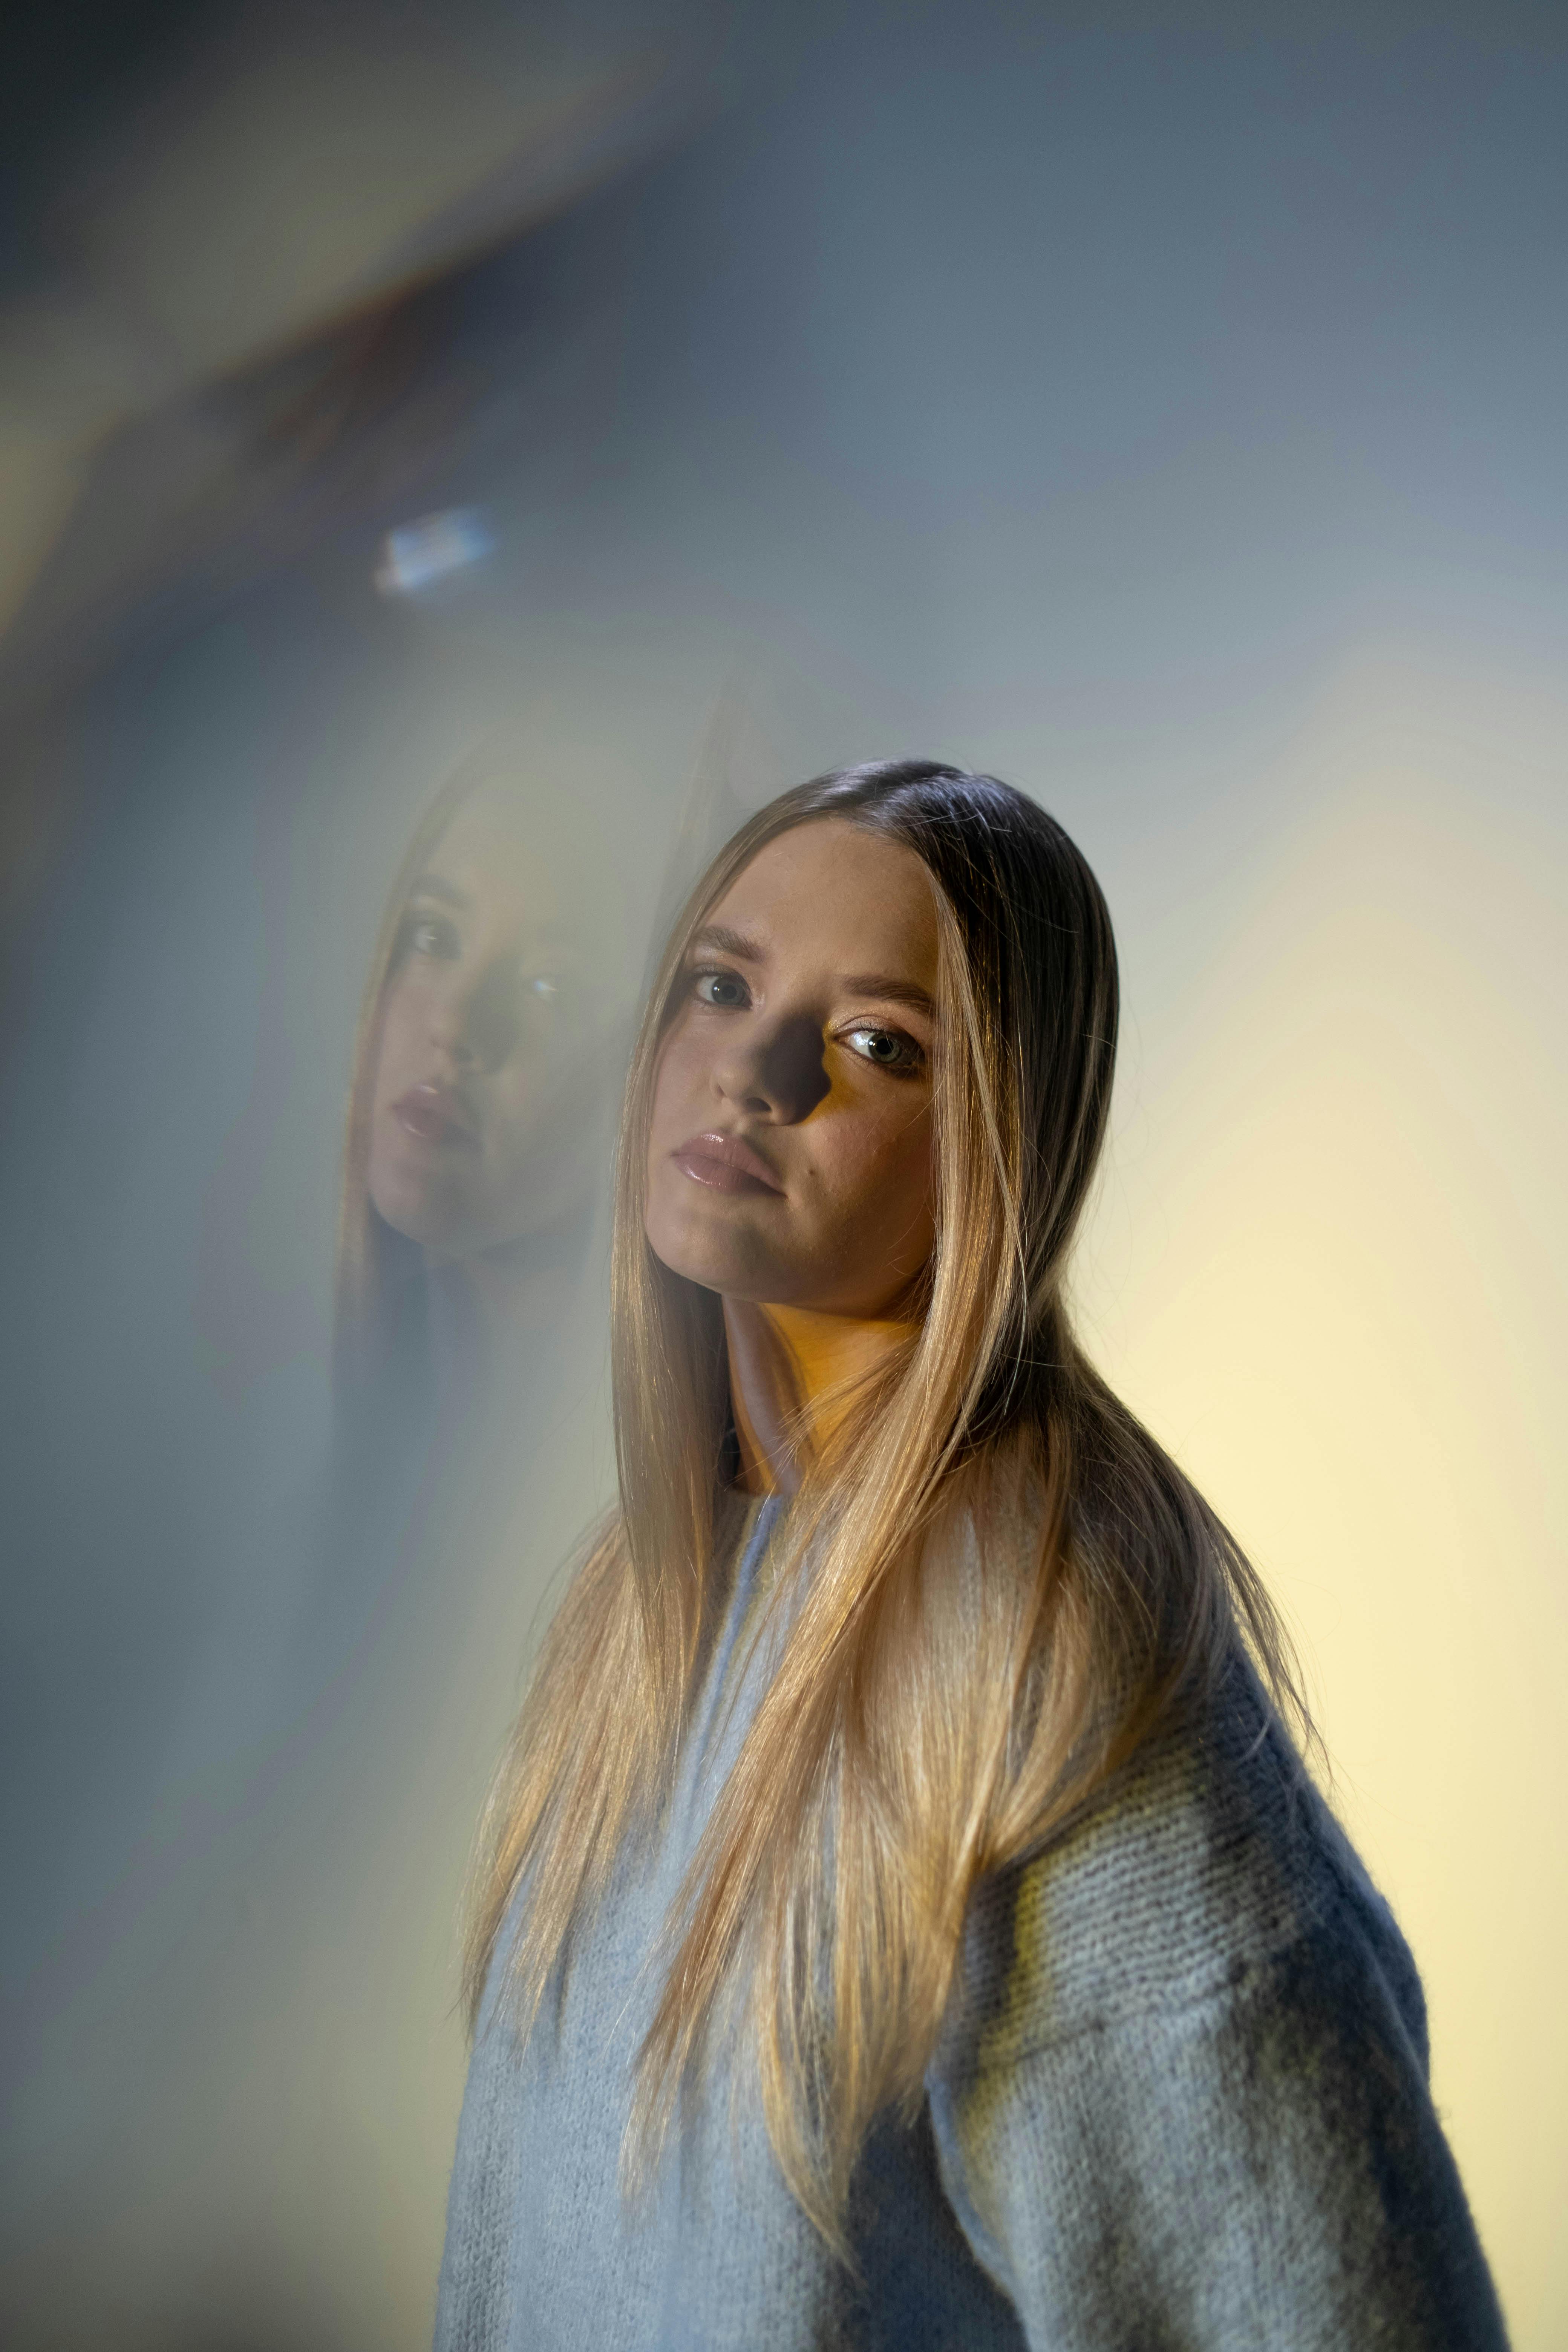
x: 392, y: 1046
x: 668, y: 1086
x: 893, y: 1149
x: 897, y: 1181
x: 851, y: 1191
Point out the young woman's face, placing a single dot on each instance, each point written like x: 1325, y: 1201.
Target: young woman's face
x: 791, y: 1157
x: 492, y: 1058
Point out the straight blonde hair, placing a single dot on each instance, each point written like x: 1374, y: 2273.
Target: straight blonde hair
x: 988, y: 1610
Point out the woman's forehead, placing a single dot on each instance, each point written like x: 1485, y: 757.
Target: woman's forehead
x: 836, y: 891
x: 509, y: 845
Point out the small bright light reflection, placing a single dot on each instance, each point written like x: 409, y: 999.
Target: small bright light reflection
x: 418, y: 554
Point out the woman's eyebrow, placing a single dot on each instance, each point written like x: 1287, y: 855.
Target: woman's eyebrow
x: 894, y: 991
x: 724, y: 941
x: 431, y: 885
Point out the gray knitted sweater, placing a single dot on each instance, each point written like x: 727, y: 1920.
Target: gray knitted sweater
x: 1181, y: 2105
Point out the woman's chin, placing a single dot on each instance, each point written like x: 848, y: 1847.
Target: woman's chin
x: 714, y: 1263
x: 448, y: 1234
x: 411, y: 1210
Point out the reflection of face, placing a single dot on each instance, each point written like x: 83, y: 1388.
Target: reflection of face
x: 791, y: 1157
x: 489, y: 1064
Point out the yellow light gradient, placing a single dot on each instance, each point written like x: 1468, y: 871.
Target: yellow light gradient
x: 1328, y: 1268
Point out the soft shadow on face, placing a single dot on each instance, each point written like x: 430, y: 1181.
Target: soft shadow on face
x: 493, y: 1050
x: 790, y: 1160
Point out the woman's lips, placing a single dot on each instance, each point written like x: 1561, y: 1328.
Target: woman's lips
x: 434, y: 1114
x: 725, y: 1165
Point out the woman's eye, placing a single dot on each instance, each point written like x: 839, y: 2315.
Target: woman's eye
x: 889, y: 1049
x: 725, y: 989
x: 429, y: 935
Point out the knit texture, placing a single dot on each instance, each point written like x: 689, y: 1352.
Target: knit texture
x: 1179, y: 2106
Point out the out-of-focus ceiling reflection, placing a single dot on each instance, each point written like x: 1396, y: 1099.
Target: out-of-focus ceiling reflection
x: 229, y: 230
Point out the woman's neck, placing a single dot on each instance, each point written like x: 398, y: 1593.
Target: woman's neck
x: 789, y: 1368
x: 487, y: 1309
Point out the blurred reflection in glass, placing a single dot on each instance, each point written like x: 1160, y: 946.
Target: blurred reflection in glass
x: 470, y: 1320
x: 470, y: 1312
x: 480, y: 1107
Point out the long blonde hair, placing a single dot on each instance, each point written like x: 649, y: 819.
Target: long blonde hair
x: 1006, y: 1594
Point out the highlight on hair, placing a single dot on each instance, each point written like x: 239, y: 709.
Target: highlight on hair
x: 984, y: 1614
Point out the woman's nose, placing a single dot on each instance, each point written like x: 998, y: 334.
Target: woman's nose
x: 777, y: 1072
x: 476, y: 1024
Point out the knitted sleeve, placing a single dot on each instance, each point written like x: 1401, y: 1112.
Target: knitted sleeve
x: 1186, y: 2103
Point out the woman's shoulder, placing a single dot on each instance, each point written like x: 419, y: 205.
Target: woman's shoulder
x: 1207, y: 1865
x: 1187, y: 2073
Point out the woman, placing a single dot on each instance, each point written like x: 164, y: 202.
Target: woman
x: 904, y: 1918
